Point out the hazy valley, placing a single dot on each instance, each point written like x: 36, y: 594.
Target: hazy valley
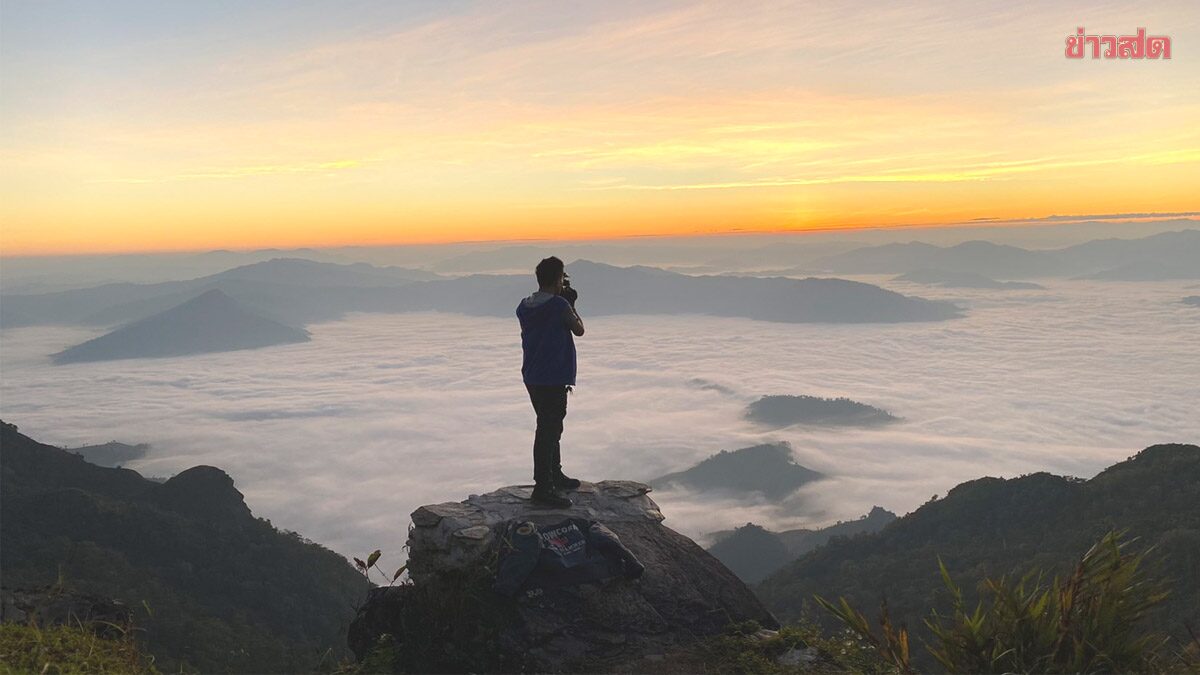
x: 381, y: 412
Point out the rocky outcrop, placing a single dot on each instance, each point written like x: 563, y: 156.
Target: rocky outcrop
x: 206, y: 493
x: 684, y: 594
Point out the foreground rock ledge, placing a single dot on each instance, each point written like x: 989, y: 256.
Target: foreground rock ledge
x: 685, y: 593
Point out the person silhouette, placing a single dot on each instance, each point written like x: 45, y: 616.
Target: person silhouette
x: 548, y: 323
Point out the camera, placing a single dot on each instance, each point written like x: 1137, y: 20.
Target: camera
x: 567, y: 292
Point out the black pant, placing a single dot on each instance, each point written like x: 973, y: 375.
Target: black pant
x: 550, y: 404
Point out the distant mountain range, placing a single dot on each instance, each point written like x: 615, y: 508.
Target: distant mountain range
x: 782, y: 411
x: 963, y: 280
x: 47, y: 274
x: 297, y: 292
x: 700, y: 258
x: 993, y: 527
x: 214, y: 588
x: 292, y: 291
x: 110, y: 454
x: 1167, y: 255
x: 753, y: 552
x: 1151, y: 270
x: 210, y: 322
x: 769, y: 469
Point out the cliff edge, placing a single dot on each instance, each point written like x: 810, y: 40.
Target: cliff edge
x: 449, y: 616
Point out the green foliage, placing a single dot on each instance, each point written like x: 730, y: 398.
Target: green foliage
x: 892, y: 644
x: 249, y: 600
x: 211, y: 594
x: 28, y: 648
x: 369, y: 564
x: 1093, y: 621
x: 993, y: 528
x: 745, y: 648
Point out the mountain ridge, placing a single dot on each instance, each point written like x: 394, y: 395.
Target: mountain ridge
x: 605, y: 290
x: 214, y: 588
x: 768, y: 468
x: 994, y: 526
x: 1096, y: 258
x: 209, y: 322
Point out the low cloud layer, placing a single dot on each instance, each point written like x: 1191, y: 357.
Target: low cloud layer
x: 343, y: 437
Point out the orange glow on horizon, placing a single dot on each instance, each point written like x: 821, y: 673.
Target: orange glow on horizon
x: 691, y: 121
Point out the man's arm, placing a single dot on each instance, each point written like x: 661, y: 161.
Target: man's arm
x: 574, y: 322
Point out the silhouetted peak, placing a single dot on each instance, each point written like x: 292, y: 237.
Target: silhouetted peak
x: 209, y: 322
x: 751, y: 533
x: 213, y: 297
x: 205, y: 492
x: 1167, y: 451
x: 981, y: 245
x: 584, y: 265
x: 769, y: 468
x: 292, y: 262
x: 1159, y: 459
x: 990, y: 486
x: 880, y: 512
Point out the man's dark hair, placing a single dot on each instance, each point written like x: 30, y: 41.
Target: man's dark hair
x: 548, y: 271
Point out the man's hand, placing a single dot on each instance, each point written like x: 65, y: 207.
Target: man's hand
x: 570, y: 294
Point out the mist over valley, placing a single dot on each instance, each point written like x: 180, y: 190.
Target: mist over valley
x: 342, y: 436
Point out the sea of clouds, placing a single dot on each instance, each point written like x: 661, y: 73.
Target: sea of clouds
x: 343, y: 437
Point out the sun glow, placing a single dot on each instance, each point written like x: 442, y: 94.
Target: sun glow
x: 475, y: 126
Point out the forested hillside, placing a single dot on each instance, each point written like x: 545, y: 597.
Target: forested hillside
x: 215, y: 588
x: 993, y: 527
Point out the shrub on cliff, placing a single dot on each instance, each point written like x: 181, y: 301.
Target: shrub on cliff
x: 1092, y: 621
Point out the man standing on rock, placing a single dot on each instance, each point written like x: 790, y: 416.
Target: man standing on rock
x: 548, y: 319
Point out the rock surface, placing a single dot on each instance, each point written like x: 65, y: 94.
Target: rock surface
x: 684, y: 594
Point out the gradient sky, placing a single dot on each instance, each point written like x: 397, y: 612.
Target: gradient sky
x: 132, y: 126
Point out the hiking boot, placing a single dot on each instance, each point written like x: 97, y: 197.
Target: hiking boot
x: 543, y: 496
x: 565, y: 482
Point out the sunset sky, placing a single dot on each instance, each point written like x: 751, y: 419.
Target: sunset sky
x: 131, y: 126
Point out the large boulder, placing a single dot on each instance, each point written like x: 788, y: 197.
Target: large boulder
x: 684, y: 594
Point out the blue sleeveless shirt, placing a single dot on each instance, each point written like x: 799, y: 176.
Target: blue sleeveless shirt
x: 546, y: 340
